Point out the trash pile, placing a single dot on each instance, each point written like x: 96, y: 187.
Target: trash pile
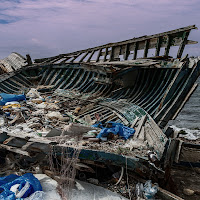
x: 33, y: 113
x: 54, y: 117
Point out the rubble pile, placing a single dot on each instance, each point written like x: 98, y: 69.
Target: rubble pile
x: 55, y: 118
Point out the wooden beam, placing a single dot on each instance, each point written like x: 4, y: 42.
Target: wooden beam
x: 88, y: 60
x: 15, y: 150
x: 135, y: 51
x: 105, y: 55
x: 141, y: 123
x: 167, y: 48
x: 146, y: 48
x: 111, y: 54
x: 99, y: 54
x: 158, y: 47
x: 127, y: 52
x: 164, y: 194
x: 65, y: 60
x: 183, y: 43
x: 173, y: 33
x: 81, y: 60
x: 75, y: 57
x: 134, y: 123
x: 178, y: 151
x: 185, y: 100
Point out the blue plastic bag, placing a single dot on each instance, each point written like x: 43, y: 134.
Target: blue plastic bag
x: 26, y: 186
x: 116, y: 128
x: 10, y: 97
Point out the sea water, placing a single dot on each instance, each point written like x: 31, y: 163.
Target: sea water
x: 189, y: 117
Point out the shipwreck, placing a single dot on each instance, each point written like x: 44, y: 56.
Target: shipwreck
x: 118, y: 82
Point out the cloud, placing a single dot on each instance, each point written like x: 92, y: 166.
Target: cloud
x: 48, y: 27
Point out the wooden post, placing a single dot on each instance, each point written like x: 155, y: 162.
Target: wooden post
x: 111, y: 54
x: 81, y: 60
x: 146, y: 48
x: 135, y: 51
x: 167, y: 46
x: 88, y: 60
x: 75, y: 57
x: 106, y: 53
x: 158, y: 47
x: 98, y: 56
x: 183, y: 43
x: 127, y: 52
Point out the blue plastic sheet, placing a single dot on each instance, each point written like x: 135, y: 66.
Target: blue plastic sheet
x: 27, y: 179
x: 116, y: 128
x: 11, y: 97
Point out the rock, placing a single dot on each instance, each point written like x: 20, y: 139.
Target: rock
x: 54, y: 115
x: 42, y: 105
x: 197, y: 170
x: 76, y: 111
x: 35, y: 125
x: 93, y: 181
x: 197, y: 192
x: 38, y: 100
x: 188, y: 192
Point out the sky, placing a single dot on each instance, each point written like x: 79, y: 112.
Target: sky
x: 44, y: 28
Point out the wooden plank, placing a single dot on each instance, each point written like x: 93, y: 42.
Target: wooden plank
x: 189, y: 155
x: 158, y: 46
x: 141, y: 123
x: 142, y: 134
x: 111, y: 54
x: 15, y: 150
x: 134, y: 123
x: 183, y: 43
x: 164, y: 194
x: 127, y: 52
x: 81, y: 60
x: 170, y: 152
x: 185, y: 100
x: 66, y: 59
x: 173, y: 33
x: 149, y: 139
x: 173, y: 106
x: 75, y: 57
x: 167, y: 48
x: 135, y: 51
x: 88, y: 60
x: 171, y: 88
x: 177, y: 155
x: 105, y: 55
x: 99, y: 54
x: 146, y: 48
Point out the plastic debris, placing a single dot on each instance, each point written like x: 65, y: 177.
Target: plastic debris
x: 4, y: 98
x: 139, y: 189
x: 149, y: 190
x: 116, y: 129
x: 146, y: 191
x: 20, y: 187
